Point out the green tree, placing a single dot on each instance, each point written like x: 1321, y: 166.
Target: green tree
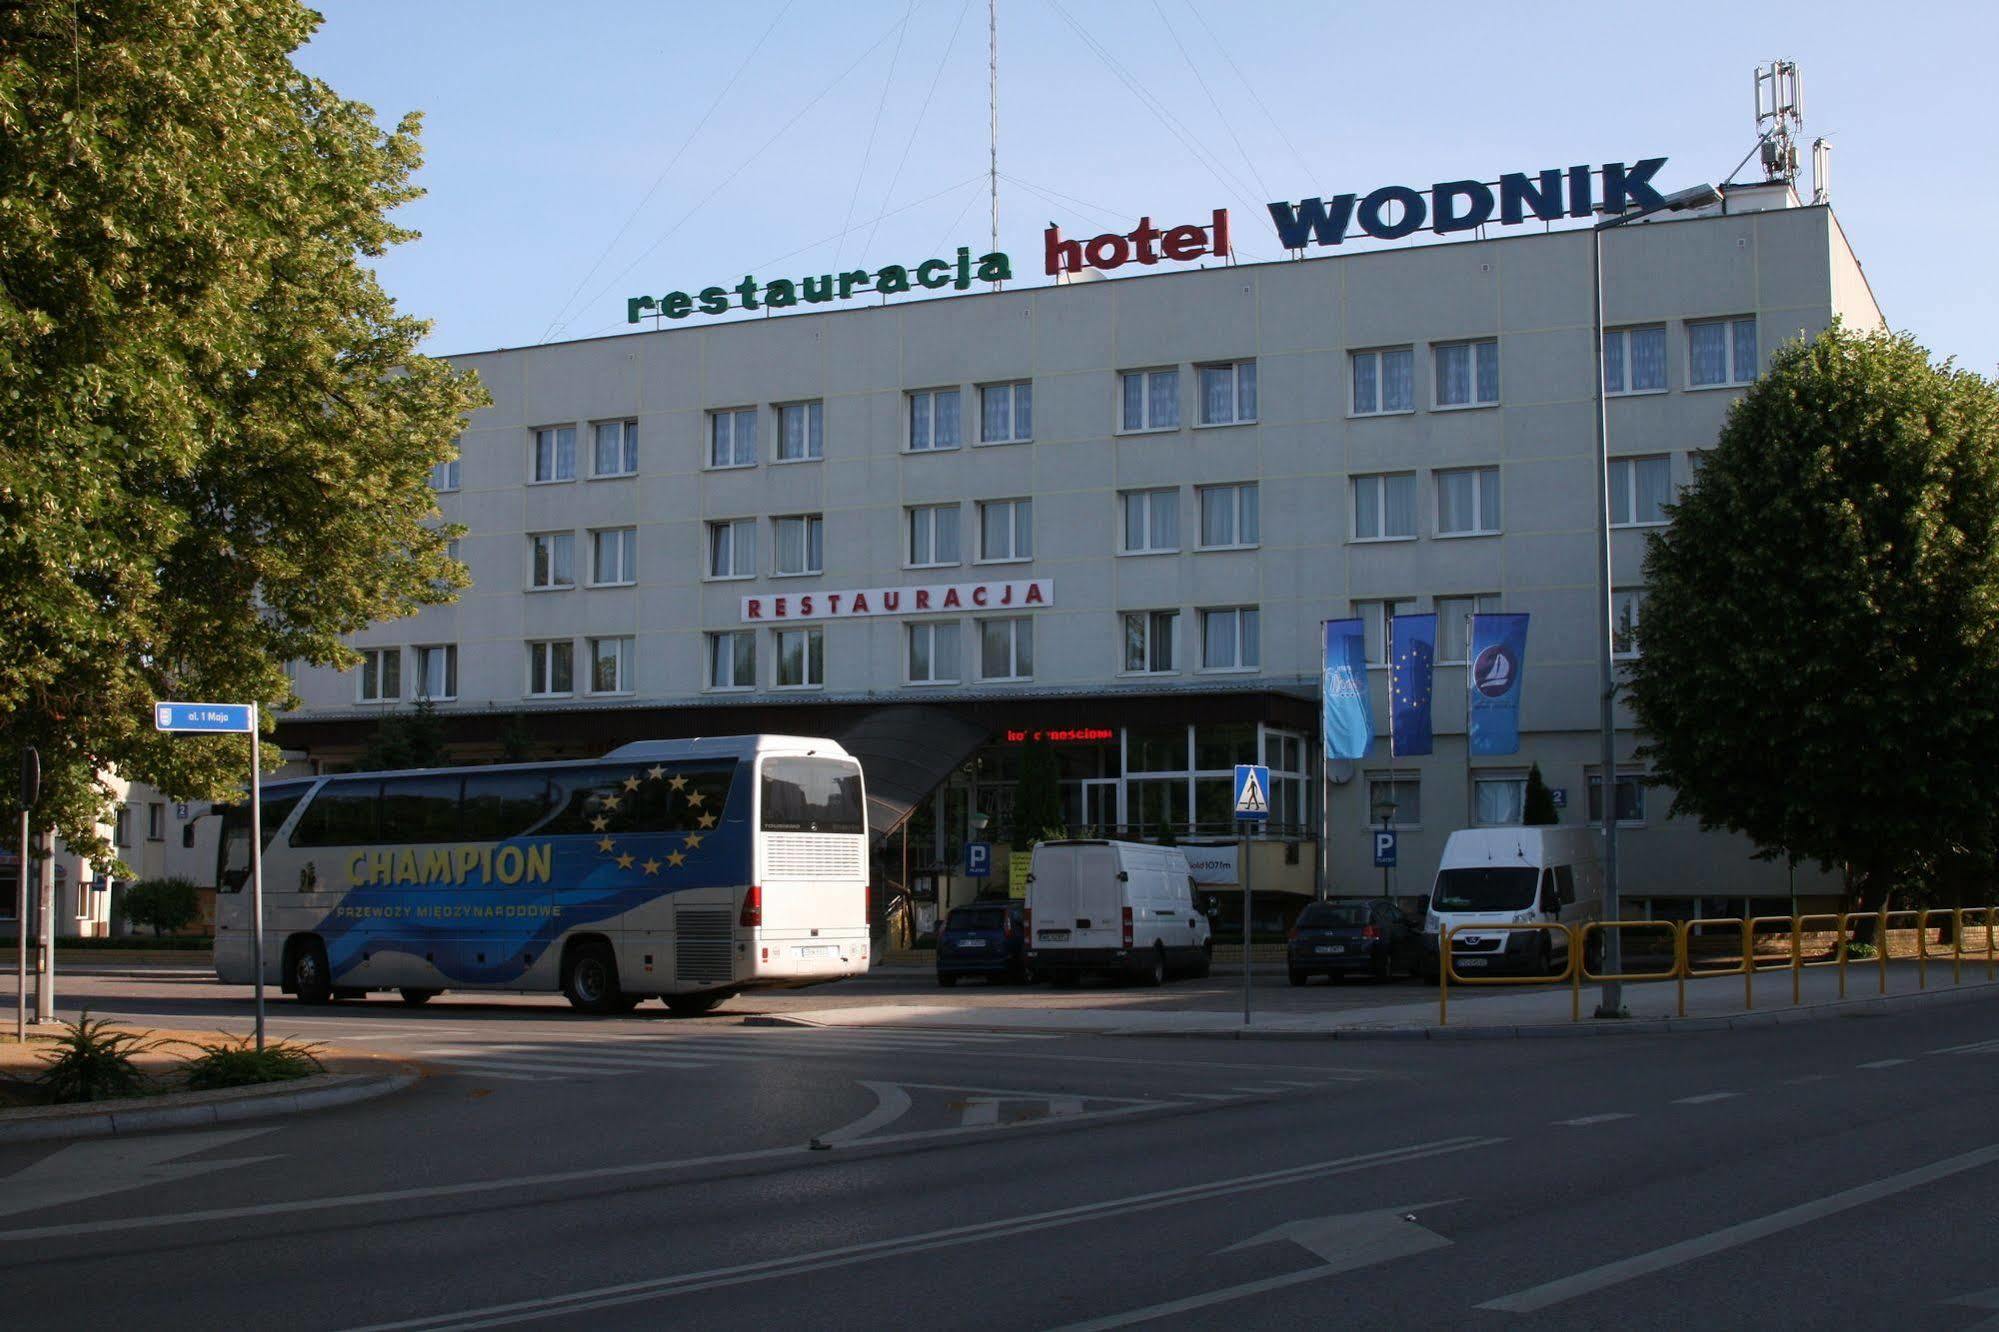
x: 412, y: 739
x: 163, y: 904
x: 1539, y: 808
x: 1821, y: 623
x: 216, y: 427
x: 1037, y: 802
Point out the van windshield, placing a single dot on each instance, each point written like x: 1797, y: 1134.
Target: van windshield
x: 1485, y: 888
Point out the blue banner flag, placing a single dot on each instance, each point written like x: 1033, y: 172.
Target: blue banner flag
x: 1347, y: 716
x: 1498, y: 663
x: 1412, y: 659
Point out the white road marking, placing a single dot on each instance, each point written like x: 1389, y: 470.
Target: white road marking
x: 85, y: 1170
x: 635, y: 1292
x: 1208, y: 1096
x: 1701, y: 1246
x: 1586, y: 1120
x: 1976, y: 1047
x: 981, y: 1112
x: 1258, y: 1091
x: 1885, y: 1063
x: 1707, y: 1098
x: 891, y: 1104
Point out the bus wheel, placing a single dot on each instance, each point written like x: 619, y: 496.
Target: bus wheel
x: 590, y: 981
x: 309, y: 979
x: 413, y: 998
x: 694, y: 1005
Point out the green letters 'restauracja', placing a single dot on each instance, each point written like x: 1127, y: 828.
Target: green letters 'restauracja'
x: 932, y: 274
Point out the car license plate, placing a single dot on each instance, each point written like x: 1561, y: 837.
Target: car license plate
x: 1469, y: 961
x: 1332, y: 948
x: 819, y: 950
x: 971, y: 943
x: 1053, y: 935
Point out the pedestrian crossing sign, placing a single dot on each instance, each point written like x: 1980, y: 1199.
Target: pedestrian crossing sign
x: 1252, y: 793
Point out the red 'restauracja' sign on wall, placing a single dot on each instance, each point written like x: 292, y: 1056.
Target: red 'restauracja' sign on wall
x: 925, y: 599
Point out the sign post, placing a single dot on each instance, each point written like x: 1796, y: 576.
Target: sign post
x: 31, y: 790
x: 1252, y: 807
x: 978, y: 860
x: 224, y: 719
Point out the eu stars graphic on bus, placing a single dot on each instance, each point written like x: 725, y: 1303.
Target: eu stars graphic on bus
x: 1412, y: 656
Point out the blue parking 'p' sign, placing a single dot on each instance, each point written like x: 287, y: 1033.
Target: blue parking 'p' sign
x: 1384, y: 849
x: 978, y: 859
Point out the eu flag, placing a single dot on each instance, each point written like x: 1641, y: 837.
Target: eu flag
x: 1498, y: 662
x: 1348, y: 717
x: 1412, y: 658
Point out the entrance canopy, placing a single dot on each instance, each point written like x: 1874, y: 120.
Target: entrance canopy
x: 906, y: 753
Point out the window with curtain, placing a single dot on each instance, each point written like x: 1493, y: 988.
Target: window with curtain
x: 1499, y: 800
x: 1151, y: 521
x: 1229, y: 639
x: 933, y: 420
x: 732, y: 659
x: 732, y: 548
x: 1640, y: 489
x: 610, y: 665
x: 614, y: 448
x: 552, y: 560
x: 801, y: 658
x: 1634, y: 359
x: 1374, y: 618
x: 1454, y: 623
x: 437, y: 671
x: 1228, y: 393
x: 1151, y: 400
x: 933, y: 651
x: 1467, y: 373
x: 933, y: 535
x: 1006, y: 530
x: 554, y: 454
x: 732, y: 438
x: 799, y: 542
x: 801, y: 433
x: 1384, y: 507
x: 1006, y: 648
x: 1148, y: 641
x: 1006, y: 413
x: 1626, y: 604
x: 1229, y: 516
x: 614, y: 556
x: 381, y: 678
x: 552, y: 667
x: 1721, y: 351
x: 1383, y: 381
x: 1468, y: 501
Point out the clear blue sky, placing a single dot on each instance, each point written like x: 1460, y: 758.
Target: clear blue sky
x: 552, y: 129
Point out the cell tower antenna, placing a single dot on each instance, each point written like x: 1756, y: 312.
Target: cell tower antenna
x: 1780, y: 118
x: 992, y: 102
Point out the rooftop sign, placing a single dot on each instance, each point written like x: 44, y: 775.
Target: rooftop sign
x: 931, y: 274
x: 1395, y: 211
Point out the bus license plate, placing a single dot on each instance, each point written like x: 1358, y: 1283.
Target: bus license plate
x: 818, y: 950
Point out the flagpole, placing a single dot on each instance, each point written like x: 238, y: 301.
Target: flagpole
x: 1471, y: 657
x: 1325, y: 776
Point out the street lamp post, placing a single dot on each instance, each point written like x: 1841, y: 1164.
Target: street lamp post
x: 1611, y: 1002
x: 1385, y: 811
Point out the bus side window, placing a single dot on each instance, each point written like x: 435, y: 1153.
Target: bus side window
x: 499, y: 805
x: 344, y: 813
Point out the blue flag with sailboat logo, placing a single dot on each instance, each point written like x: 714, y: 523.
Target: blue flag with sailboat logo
x: 1412, y: 659
x: 1492, y: 681
x: 1348, y: 716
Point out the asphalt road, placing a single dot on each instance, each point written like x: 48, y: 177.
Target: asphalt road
x: 644, y: 1173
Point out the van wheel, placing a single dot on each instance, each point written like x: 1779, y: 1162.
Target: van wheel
x: 1298, y: 977
x: 590, y: 979
x: 310, y: 980
x: 1156, y: 973
x: 413, y: 998
x: 1547, y: 957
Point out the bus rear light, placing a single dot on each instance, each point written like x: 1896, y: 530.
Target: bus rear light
x: 1127, y: 927
x: 753, y: 908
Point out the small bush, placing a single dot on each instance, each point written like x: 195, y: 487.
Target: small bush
x: 241, y: 1064
x: 92, y: 1061
x: 165, y: 904
x: 1855, y: 950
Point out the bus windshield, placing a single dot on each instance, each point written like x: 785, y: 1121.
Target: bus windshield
x: 812, y: 795
x: 279, y: 801
x: 1485, y: 888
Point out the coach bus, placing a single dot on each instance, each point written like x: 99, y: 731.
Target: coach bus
x: 690, y: 870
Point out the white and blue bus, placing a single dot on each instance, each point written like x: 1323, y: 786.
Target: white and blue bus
x: 687, y: 869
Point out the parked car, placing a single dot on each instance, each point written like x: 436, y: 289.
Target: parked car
x: 1350, y: 938
x: 1122, y: 908
x: 984, y: 939
x: 1513, y: 876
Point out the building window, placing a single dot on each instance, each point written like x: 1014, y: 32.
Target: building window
x: 800, y: 545
x: 1468, y: 502
x: 801, y: 658
x: 1006, y: 649
x: 156, y: 822
x: 732, y: 548
x: 732, y: 659
x: 1625, y: 605
x: 122, y: 826
x: 1467, y: 373
x: 1384, y: 382
x: 1403, y: 791
x: 1634, y: 359
x: 933, y: 652
x: 615, y: 448
x: 1006, y: 413
x: 933, y: 420
x: 732, y: 438
x: 933, y: 536
x: 611, y: 665
x: 1454, y: 624
x: 801, y: 431
x: 381, y: 675
x: 1228, y: 516
x: 1499, y: 800
x: 551, y: 668
x: 614, y: 556
x: 1721, y: 351
x: 1149, y: 641
x: 552, y: 559
x: 1151, y: 521
x: 554, y: 454
x: 1630, y: 798
x: 1639, y: 490
x: 437, y: 671
x: 1229, y: 639
x: 1228, y: 393
x: 444, y: 476
x: 1374, y: 618
x: 1151, y: 400
x: 1384, y: 507
x: 1006, y: 530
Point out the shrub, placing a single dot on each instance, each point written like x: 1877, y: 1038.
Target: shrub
x: 92, y: 1061
x: 165, y: 904
x: 240, y: 1063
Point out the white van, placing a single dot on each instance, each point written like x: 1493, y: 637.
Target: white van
x: 1513, y: 876
x: 1121, y: 907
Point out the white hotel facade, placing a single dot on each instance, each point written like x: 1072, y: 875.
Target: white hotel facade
x: 1147, y: 492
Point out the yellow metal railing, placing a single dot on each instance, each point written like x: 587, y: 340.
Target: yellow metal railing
x: 1744, y: 960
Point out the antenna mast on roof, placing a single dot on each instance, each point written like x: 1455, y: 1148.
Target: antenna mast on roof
x: 992, y: 102
x: 1780, y: 118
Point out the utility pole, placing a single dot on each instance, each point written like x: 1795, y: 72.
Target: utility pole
x: 31, y: 789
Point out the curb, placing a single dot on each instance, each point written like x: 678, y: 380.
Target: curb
x: 336, y: 1089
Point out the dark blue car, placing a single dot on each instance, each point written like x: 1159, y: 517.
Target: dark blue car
x: 985, y: 939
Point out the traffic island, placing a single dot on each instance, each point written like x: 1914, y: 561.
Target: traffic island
x: 159, y: 1096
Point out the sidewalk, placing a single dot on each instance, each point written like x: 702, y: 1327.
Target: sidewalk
x: 1475, y: 1011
